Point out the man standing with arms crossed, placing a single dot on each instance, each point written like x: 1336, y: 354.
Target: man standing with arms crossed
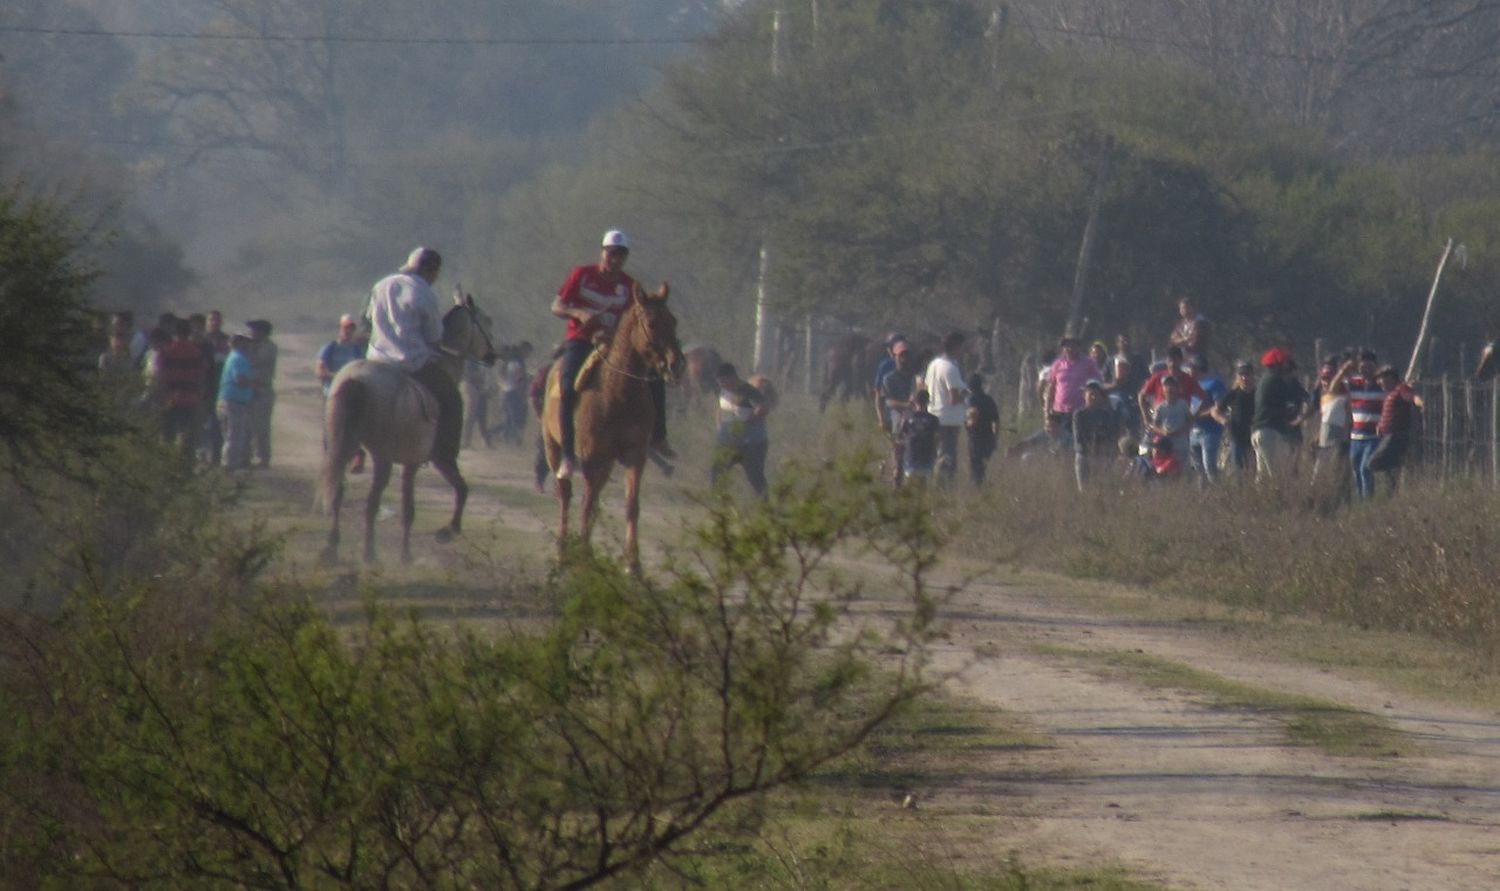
x: 592, y: 301
x: 946, y: 393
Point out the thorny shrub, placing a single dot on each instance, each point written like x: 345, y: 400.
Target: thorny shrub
x: 278, y: 750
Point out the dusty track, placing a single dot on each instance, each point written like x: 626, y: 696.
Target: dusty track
x: 1173, y: 789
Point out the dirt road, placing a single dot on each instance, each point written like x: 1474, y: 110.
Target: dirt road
x: 1159, y: 780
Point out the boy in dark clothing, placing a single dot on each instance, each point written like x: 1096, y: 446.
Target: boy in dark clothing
x: 1096, y: 433
x: 1236, y: 411
x: 982, y: 420
x: 919, y: 435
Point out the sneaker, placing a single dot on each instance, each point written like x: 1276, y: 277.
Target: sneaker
x: 566, y: 469
x: 664, y: 450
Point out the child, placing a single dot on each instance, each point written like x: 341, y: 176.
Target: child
x: 1165, y: 463
x: 919, y: 433
x: 1172, y: 417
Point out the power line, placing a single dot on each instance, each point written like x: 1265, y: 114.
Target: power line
x: 1275, y: 55
x: 356, y: 39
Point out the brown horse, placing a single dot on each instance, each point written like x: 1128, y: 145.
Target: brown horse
x: 698, y: 377
x: 615, y: 413
x: 378, y: 406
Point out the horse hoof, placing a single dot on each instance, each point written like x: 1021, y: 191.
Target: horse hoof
x: 445, y: 535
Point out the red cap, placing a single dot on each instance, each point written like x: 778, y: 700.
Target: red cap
x: 1275, y: 356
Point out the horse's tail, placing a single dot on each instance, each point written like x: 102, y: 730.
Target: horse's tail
x: 347, y: 402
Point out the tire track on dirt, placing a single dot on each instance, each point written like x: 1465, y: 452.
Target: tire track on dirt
x: 1214, y: 798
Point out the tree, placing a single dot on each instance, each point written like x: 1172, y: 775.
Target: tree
x: 50, y: 411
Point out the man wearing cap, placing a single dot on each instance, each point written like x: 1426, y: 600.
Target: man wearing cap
x: 1278, y: 412
x: 592, y: 300
x: 885, y: 366
x: 406, y: 329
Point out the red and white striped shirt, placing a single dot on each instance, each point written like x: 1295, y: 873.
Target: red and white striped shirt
x: 1365, y: 399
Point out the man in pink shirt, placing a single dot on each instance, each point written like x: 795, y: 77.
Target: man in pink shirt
x: 1065, y: 379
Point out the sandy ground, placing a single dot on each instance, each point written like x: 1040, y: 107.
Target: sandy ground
x: 1193, y: 796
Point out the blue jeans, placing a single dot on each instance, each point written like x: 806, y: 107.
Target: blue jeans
x: 1203, y: 447
x: 1359, y: 457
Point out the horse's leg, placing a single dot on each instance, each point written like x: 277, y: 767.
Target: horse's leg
x: 564, y: 498
x: 592, y: 486
x: 336, y: 505
x: 408, y: 508
x: 449, y: 472
x: 378, y: 481
x: 632, y: 515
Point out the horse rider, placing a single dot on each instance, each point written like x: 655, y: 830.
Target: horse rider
x: 406, y: 329
x: 592, y: 300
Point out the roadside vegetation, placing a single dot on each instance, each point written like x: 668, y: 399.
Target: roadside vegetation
x: 1422, y: 562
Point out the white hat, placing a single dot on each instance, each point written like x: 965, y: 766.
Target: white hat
x: 419, y: 257
x: 616, y: 238
x: 346, y: 319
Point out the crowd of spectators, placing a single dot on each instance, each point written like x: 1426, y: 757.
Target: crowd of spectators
x: 210, y: 393
x: 1117, y: 417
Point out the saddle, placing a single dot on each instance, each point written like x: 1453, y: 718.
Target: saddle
x: 588, y: 371
x: 414, y: 399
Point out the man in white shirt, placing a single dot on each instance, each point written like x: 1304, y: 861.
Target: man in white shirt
x: 406, y: 328
x: 947, y: 392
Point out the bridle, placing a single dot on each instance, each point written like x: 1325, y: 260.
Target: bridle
x: 489, y: 345
x: 638, y: 308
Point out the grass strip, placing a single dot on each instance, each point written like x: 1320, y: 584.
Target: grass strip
x: 1308, y: 721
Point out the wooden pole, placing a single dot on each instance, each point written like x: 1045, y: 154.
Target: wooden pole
x: 1467, y: 427
x: 1495, y: 432
x: 1447, y: 424
x: 1416, y: 353
x: 1074, y: 326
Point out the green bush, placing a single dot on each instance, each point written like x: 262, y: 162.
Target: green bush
x: 274, y: 749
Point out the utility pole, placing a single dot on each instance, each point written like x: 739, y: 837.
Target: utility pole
x: 764, y: 361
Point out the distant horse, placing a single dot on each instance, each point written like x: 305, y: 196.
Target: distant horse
x: 380, y: 407
x: 844, y: 369
x: 615, y: 413
x: 698, y: 375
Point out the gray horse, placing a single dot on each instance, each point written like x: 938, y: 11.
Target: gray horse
x: 378, y: 406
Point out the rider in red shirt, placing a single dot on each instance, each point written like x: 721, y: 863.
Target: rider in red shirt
x: 592, y: 300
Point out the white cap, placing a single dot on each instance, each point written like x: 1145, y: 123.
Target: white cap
x: 616, y: 238
x: 420, y: 257
x: 346, y: 319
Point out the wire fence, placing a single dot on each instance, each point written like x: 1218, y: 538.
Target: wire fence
x: 1460, y: 429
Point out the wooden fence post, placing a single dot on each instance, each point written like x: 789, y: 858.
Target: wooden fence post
x: 1447, y: 424
x: 1495, y: 433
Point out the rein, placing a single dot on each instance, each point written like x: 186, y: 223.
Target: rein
x: 640, y: 314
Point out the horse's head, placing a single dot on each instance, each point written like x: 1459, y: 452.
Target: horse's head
x: 466, y: 330
x: 654, y: 336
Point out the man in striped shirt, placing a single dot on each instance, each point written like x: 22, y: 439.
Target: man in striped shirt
x: 1365, y: 398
